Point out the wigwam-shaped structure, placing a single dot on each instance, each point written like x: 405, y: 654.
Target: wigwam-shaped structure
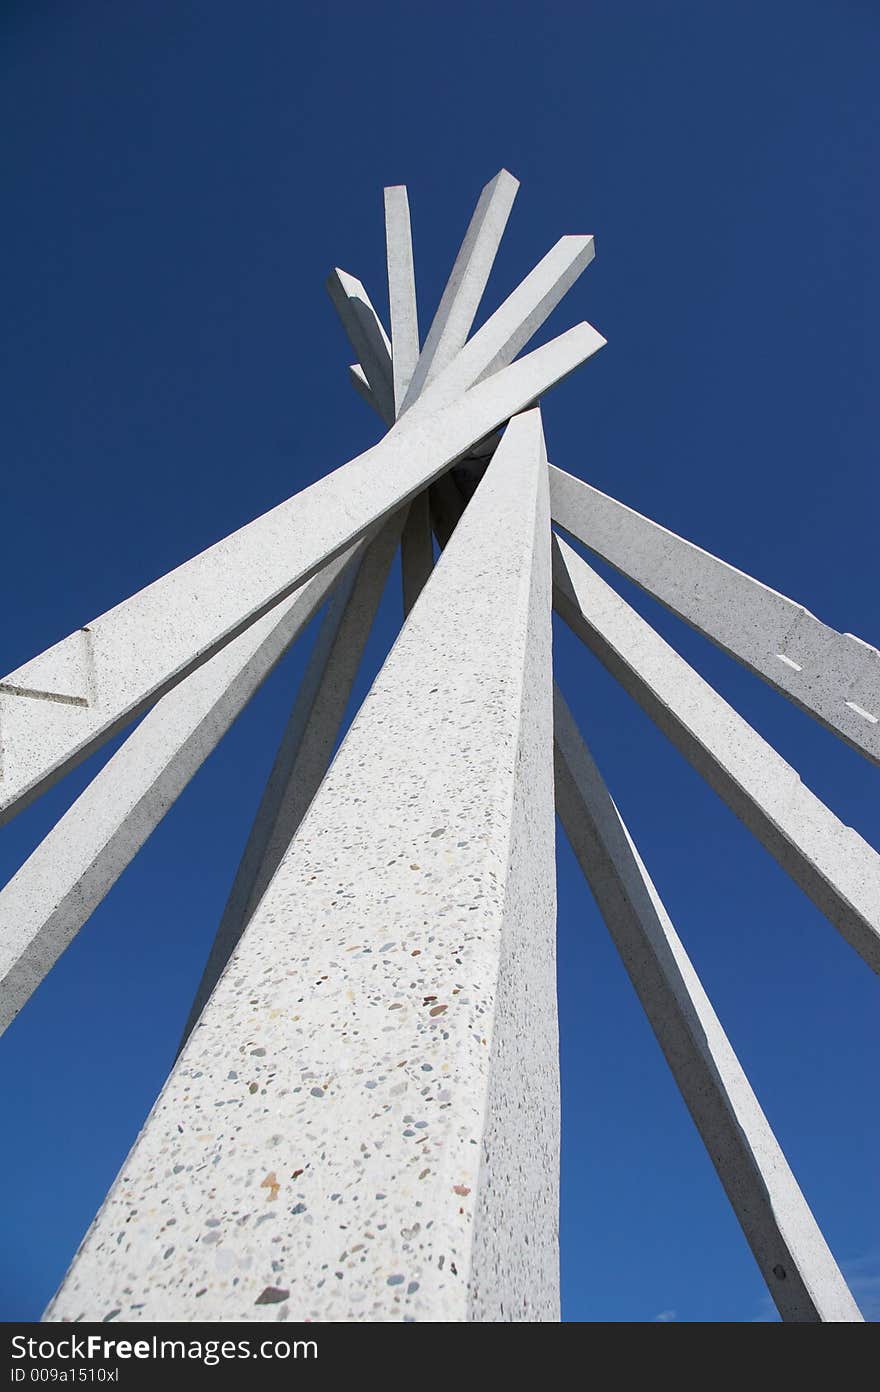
x: 363, y: 1120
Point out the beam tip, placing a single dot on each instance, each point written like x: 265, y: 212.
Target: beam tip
x: 348, y: 282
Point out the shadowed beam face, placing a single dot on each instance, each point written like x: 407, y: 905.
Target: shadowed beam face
x: 367, y: 337
x: 832, y: 864
x: 835, y: 677
x: 464, y: 289
x: 416, y: 551
x: 358, y: 379
x: 801, y: 1274
x: 78, y: 693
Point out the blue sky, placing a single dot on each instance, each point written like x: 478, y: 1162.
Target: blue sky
x: 178, y: 179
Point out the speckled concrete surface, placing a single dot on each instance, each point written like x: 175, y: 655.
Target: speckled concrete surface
x: 306, y: 746
x: 801, y: 1273
x: 45, y: 904
x: 464, y: 289
x: 506, y: 332
x: 364, y: 1125
x: 401, y: 291
x: 833, y: 676
x: 830, y: 861
x: 61, y: 705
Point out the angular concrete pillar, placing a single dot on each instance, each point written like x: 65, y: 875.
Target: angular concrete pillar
x: 358, y: 379
x: 507, y: 331
x: 801, y: 1274
x: 467, y: 281
x: 364, y: 1124
x: 367, y: 336
x: 401, y: 291
x: 57, y: 708
x: 45, y: 904
x: 835, y: 677
x: 306, y: 747
x: 831, y: 862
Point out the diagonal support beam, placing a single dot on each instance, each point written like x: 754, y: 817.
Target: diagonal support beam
x: 401, y: 291
x: 833, y: 676
x: 381, y: 1055
x: 306, y: 747
x: 92, y: 683
x: 45, y: 904
x: 367, y: 337
x: 832, y: 864
x: 512, y: 325
x: 801, y: 1273
x: 464, y: 289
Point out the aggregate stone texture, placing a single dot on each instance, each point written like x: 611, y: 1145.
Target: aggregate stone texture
x: 835, y: 866
x: 833, y: 676
x: 801, y: 1273
x: 464, y: 289
x: 506, y: 332
x: 58, y: 707
x: 47, y: 901
x: 306, y: 746
x: 364, y: 1125
x: 401, y: 291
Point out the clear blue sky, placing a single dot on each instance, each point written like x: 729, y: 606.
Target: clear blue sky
x: 177, y: 180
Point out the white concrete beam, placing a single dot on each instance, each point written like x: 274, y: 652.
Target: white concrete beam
x: 57, y: 708
x: 512, y: 325
x: 834, y: 677
x: 832, y: 864
x: 365, y: 333
x: 401, y: 291
x: 45, y: 904
x: 416, y: 550
x: 306, y: 746
x: 464, y: 289
x: 372, y: 1089
x: 357, y: 378
x: 801, y: 1273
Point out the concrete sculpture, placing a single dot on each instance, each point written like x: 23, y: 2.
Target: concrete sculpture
x: 363, y: 1119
